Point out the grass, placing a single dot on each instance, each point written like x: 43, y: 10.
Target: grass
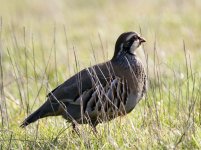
x: 38, y: 40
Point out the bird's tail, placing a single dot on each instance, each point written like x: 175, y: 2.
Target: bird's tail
x: 47, y: 109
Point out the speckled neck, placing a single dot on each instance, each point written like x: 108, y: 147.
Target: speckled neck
x: 125, y: 60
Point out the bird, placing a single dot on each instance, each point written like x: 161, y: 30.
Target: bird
x: 102, y: 92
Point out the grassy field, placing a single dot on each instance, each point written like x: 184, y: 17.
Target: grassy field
x: 38, y: 44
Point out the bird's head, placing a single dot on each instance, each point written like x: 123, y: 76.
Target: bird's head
x: 127, y: 42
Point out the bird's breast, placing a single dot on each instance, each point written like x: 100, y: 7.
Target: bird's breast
x: 132, y: 100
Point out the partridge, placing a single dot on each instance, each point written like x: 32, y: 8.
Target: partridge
x: 102, y: 92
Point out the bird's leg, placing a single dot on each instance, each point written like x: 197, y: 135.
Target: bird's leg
x: 75, y: 129
x: 94, y: 129
x: 93, y: 125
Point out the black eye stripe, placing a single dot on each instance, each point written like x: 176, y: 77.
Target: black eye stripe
x: 129, y: 42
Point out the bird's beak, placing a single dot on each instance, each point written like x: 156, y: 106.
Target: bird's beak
x: 142, y: 40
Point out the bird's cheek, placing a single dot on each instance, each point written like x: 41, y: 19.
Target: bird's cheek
x: 136, y: 44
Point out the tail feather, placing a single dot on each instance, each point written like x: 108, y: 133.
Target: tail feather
x: 47, y: 109
x: 32, y: 118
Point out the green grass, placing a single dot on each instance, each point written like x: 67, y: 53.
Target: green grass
x: 38, y: 40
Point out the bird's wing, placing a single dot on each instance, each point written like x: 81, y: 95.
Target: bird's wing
x: 95, y: 92
x: 83, y: 81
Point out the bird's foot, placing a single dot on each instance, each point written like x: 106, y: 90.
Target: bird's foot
x: 75, y: 129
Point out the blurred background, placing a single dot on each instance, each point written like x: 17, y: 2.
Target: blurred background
x: 169, y: 22
x: 42, y: 41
